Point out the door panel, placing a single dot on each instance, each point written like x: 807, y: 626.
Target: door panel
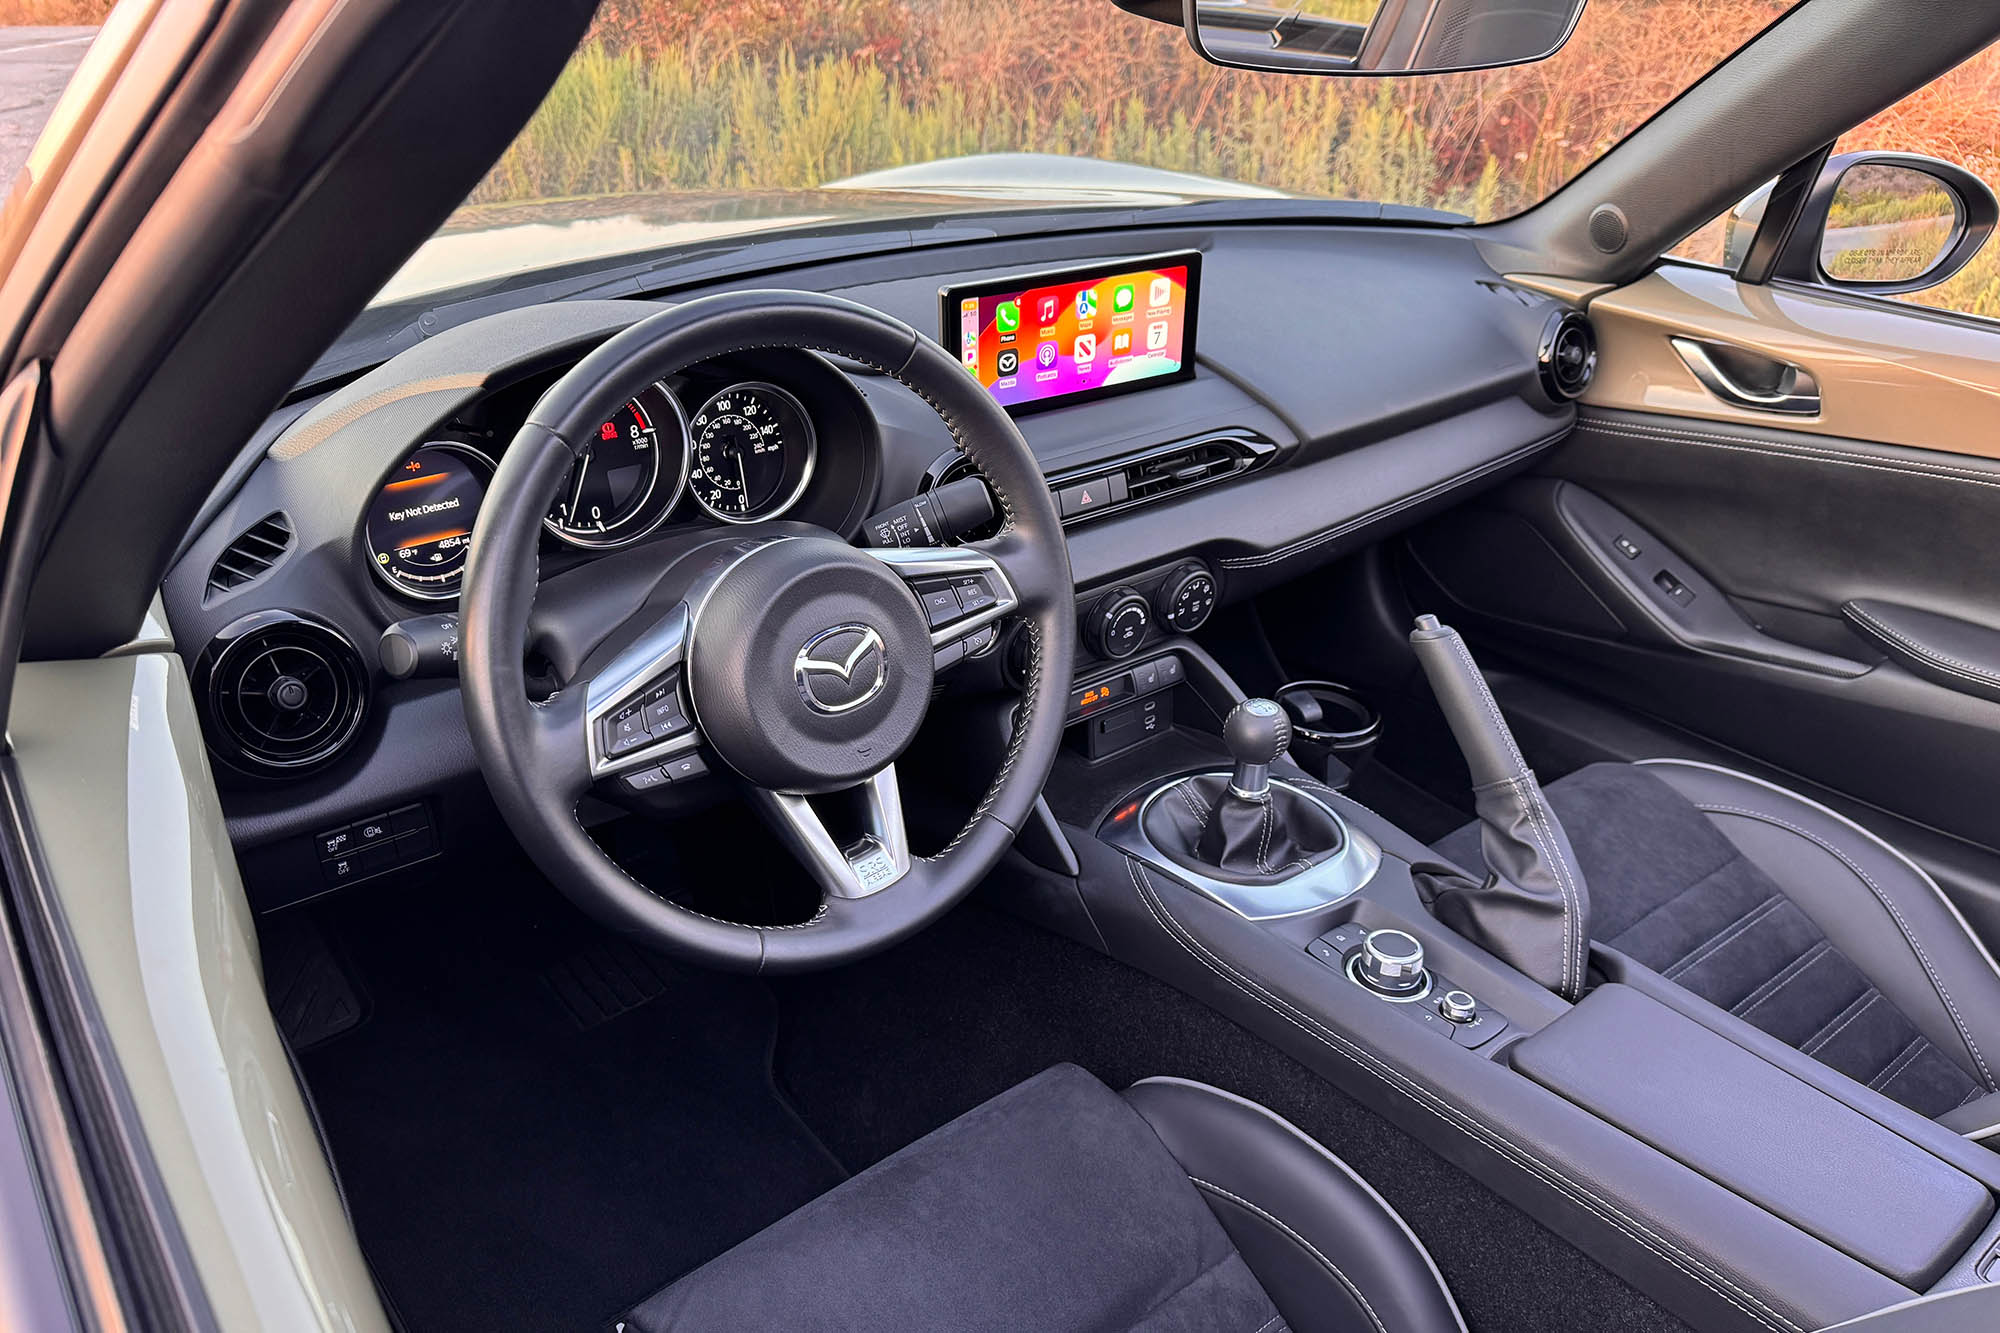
x: 1818, y: 593
x: 1885, y: 372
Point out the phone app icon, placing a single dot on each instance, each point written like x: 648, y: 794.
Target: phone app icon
x: 1010, y: 361
x: 1086, y: 303
x: 1008, y: 317
x: 1156, y: 335
x: 1046, y: 355
x: 1085, y: 348
x: 1048, y: 310
x: 1121, y: 342
x: 1162, y: 291
x: 1121, y: 298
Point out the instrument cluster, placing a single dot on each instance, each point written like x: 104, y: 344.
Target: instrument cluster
x: 741, y: 453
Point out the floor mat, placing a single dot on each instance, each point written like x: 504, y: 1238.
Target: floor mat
x: 876, y: 1055
x: 537, y: 1127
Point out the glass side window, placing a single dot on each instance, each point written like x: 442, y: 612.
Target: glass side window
x: 1957, y: 118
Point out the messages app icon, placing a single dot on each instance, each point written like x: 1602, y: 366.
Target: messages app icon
x: 1008, y: 317
x: 1121, y: 298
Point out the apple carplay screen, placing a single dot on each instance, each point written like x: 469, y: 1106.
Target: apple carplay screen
x: 1063, y: 337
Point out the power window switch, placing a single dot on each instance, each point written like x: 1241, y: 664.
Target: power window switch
x: 1667, y: 583
x: 1626, y: 547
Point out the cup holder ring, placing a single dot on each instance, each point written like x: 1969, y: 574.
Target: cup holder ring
x: 1329, y: 720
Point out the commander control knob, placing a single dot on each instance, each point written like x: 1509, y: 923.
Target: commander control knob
x: 1187, y: 597
x: 1391, y: 962
x: 1256, y: 731
x: 1117, y: 623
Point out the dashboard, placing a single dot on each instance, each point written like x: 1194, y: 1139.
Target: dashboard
x: 1349, y: 380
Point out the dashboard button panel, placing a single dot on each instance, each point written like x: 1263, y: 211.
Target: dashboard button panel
x: 377, y: 844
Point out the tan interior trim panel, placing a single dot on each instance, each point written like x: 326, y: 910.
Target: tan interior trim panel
x: 1884, y: 373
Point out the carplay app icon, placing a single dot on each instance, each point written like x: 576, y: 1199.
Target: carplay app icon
x: 1046, y: 355
x: 1086, y: 303
x: 1085, y: 348
x: 1121, y: 298
x: 1010, y: 361
x: 1156, y: 335
x: 1008, y: 317
x: 1121, y: 341
x: 1161, y: 292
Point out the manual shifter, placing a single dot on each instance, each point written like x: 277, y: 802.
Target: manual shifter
x: 1244, y: 828
x: 1533, y: 910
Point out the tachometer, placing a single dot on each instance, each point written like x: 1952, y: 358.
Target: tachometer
x: 420, y: 524
x: 629, y: 477
x: 753, y: 453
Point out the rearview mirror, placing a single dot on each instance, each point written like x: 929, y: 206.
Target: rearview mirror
x: 1361, y: 37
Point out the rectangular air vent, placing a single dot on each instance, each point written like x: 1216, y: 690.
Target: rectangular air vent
x: 1165, y: 471
x: 250, y: 556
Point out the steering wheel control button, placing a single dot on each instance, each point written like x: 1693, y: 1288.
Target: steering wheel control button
x: 1459, y: 1006
x: 663, y: 713
x: 686, y: 768
x: 646, y: 779
x: 975, y: 593
x: 941, y: 605
x: 1391, y: 963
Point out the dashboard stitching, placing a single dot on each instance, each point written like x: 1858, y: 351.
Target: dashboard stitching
x: 1304, y: 544
x: 1804, y: 453
x: 1452, y: 1117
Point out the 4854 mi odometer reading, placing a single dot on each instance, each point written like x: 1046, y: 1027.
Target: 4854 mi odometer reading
x: 420, y: 525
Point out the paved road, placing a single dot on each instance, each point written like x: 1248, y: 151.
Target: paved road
x: 35, y: 64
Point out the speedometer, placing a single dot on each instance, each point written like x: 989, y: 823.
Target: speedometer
x: 753, y: 453
x: 420, y: 525
x: 629, y: 476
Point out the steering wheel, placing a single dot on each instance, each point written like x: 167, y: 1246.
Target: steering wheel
x: 802, y: 663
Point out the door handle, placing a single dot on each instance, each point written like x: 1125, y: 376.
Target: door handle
x: 1791, y: 390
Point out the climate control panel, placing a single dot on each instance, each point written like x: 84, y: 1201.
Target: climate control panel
x: 1116, y: 622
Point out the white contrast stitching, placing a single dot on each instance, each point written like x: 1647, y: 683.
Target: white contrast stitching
x: 1928, y: 655
x: 1278, y: 1222
x: 1805, y: 454
x: 1449, y: 1114
x: 1909, y: 936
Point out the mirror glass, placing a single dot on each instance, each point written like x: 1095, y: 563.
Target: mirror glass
x: 1378, y: 36
x: 1888, y: 223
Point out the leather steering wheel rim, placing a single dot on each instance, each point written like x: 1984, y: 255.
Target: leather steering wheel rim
x: 533, y: 754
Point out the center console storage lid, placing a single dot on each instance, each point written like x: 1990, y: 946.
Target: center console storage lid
x: 1754, y: 1129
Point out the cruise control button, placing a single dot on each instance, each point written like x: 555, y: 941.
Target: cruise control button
x: 941, y: 606
x: 974, y: 593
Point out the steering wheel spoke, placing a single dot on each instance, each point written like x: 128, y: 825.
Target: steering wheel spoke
x: 635, y: 714
x: 876, y: 857
x: 964, y: 592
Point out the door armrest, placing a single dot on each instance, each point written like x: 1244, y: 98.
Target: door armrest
x: 1954, y: 653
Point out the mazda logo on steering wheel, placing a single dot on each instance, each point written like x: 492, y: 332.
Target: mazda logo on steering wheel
x: 842, y: 668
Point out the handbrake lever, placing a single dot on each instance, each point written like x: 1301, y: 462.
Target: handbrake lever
x: 1533, y: 910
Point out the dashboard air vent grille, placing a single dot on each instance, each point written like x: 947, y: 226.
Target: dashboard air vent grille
x: 284, y: 694
x: 1190, y: 465
x: 251, y: 555
x: 1567, y: 355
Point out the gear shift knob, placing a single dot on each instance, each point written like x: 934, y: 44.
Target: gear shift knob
x: 1256, y: 731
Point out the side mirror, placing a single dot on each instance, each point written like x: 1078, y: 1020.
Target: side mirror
x: 1885, y: 223
x: 1363, y: 37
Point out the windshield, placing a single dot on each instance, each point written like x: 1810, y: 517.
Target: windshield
x: 684, y: 121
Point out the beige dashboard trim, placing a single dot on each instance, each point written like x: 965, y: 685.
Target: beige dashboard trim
x: 125, y: 809
x: 1886, y: 374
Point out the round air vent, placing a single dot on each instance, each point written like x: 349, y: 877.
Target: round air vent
x: 1567, y: 355
x: 284, y: 694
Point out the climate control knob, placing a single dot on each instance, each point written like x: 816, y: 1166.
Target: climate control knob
x: 1116, y: 623
x: 1187, y: 597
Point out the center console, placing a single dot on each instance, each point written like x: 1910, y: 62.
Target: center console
x: 1737, y: 1181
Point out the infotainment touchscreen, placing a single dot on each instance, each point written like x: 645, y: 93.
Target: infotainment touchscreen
x: 1061, y: 337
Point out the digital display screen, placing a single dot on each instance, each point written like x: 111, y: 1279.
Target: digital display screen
x: 1077, y: 334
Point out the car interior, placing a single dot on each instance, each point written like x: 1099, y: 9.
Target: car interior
x: 1447, y: 781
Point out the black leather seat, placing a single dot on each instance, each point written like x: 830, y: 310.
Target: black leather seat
x: 1797, y: 920
x: 1063, y: 1205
